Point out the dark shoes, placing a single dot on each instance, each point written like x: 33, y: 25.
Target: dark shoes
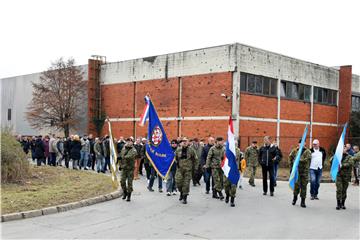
x: 302, y: 204
x: 221, y: 196
x: 294, y: 200
x: 207, y: 192
x: 338, y: 206
x: 343, y: 204
x: 185, y: 199
x: 215, y: 195
x: 271, y: 194
x: 232, y: 204
x: 181, y: 196
x: 150, y: 189
x: 128, y: 197
x: 312, y: 198
x: 124, y: 195
x: 227, y: 199
x: 264, y: 193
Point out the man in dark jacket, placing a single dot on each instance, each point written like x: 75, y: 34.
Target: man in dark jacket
x: 39, y: 150
x: 267, y: 156
x: 207, y: 171
x: 318, y: 156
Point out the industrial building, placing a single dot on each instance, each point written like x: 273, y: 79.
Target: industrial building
x: 196, y: 91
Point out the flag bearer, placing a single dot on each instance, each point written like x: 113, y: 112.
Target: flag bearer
x: 127, y: 164
x: 214, y: 157
x: 343, y: 178
x: 185, y: 157
x: 304, y: 164
x: 230, y: 189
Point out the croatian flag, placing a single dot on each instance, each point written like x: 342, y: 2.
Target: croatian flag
x: 336, y: 163
x: 145, y: 114
x: 228, y: 164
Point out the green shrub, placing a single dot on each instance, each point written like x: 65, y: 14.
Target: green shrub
x: 14, y: 165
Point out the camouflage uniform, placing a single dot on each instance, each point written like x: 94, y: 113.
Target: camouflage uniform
x: 196, y: 172
x: 230, y: 189
x: 213, y: 160
x: 185, y: 158
x: 127, y: 164
x: 344, y: 177
x: 251, y: 157
x: 303, y: 168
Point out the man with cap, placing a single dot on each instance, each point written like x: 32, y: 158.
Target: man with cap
x: 303, y: 168
x: 185, y: 158
x: 251, y: 157
x: 214, y: 157
x: 127, y: 164
x: 318, y: 156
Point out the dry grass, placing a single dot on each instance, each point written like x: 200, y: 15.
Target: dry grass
x: 49, y: 186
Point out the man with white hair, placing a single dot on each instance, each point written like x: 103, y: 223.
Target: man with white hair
x: 318, y: 156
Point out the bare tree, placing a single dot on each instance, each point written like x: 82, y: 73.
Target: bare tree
x: 57, y: 98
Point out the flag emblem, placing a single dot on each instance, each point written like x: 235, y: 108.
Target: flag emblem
x: 156, y: 136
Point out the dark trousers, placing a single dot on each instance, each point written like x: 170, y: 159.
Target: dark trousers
x: 148, y: 170
x: 270, y: 170
x: 207, y: 177
x: 39, y: 161
x: 153, y: 174
x: 356, y: 174
x: 141, y: 166
x: 52, y: 159
x: 66, y: 157
x: 91, y: 162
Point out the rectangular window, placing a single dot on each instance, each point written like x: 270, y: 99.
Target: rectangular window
x: 295, y: 91
x: 355, y: 103
x: 307, y: 93
x: 283, y: 89
x: 326, y: 96
x: 9, y: 114
x: 257, y: 84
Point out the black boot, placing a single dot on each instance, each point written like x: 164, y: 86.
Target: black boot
x: 294, y: 200
x: 227, y: 198
x: 343, y: 204
x: 128, y: 197
x: 302, y: 204
x: 124, y: 195
x: 215, y: 194
x: 181, y: 196
x: 185, y: 199
x: 338, y: 205
x: 232, y: 202
x: 221, y: 196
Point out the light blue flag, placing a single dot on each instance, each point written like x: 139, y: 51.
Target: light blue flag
x: 295, y: 172
x: 336, y: 163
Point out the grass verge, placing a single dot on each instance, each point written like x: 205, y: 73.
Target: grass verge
x: 50, y: 186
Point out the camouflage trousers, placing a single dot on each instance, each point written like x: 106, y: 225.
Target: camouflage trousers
x: 342, y: 184
x: 230, y: 189
x: 182, y: 179
x: 301, y: 185
x: 218, y: 176
x: 252, y: 172
x: 127, y: 176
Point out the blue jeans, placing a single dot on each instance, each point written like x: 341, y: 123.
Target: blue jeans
x: 84, y: 159
x: 276, y: 167
x: 207, y: 177
x: 100, y: 163
x: 170, y: 184
x: 152, y: 178
x: 315, y: 178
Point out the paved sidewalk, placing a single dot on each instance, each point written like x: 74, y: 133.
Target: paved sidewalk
x: 155, y: 215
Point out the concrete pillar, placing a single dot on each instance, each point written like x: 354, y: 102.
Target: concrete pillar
x: 235, y: 106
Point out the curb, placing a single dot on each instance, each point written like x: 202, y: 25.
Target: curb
x: 61, y: 208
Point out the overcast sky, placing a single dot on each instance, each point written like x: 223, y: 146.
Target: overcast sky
x: 36, y: 32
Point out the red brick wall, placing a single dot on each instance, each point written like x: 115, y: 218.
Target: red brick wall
x: 326, y: 135
x: 294, y: 110
x: 204, y: 128
x: 345, y: 79
x: 118, y: 100
x: 325, y: 113
x: 258, y: 106
x: 119, y: 129
x: 255, y: 130
x: 201, y: 94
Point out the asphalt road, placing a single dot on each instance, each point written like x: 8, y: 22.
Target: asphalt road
x: 155, y: 215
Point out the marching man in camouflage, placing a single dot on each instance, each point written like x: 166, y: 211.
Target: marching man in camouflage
x: 230, y: 189
x: 127, y: 164
x: 214, y: 157
x: 303, y: 168
x: 251, y: 157
x: 344, y: 177
x: 185, y: 158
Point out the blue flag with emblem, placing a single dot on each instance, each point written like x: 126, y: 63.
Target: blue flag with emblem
x: 295, y: 171
x: 158, y: 148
